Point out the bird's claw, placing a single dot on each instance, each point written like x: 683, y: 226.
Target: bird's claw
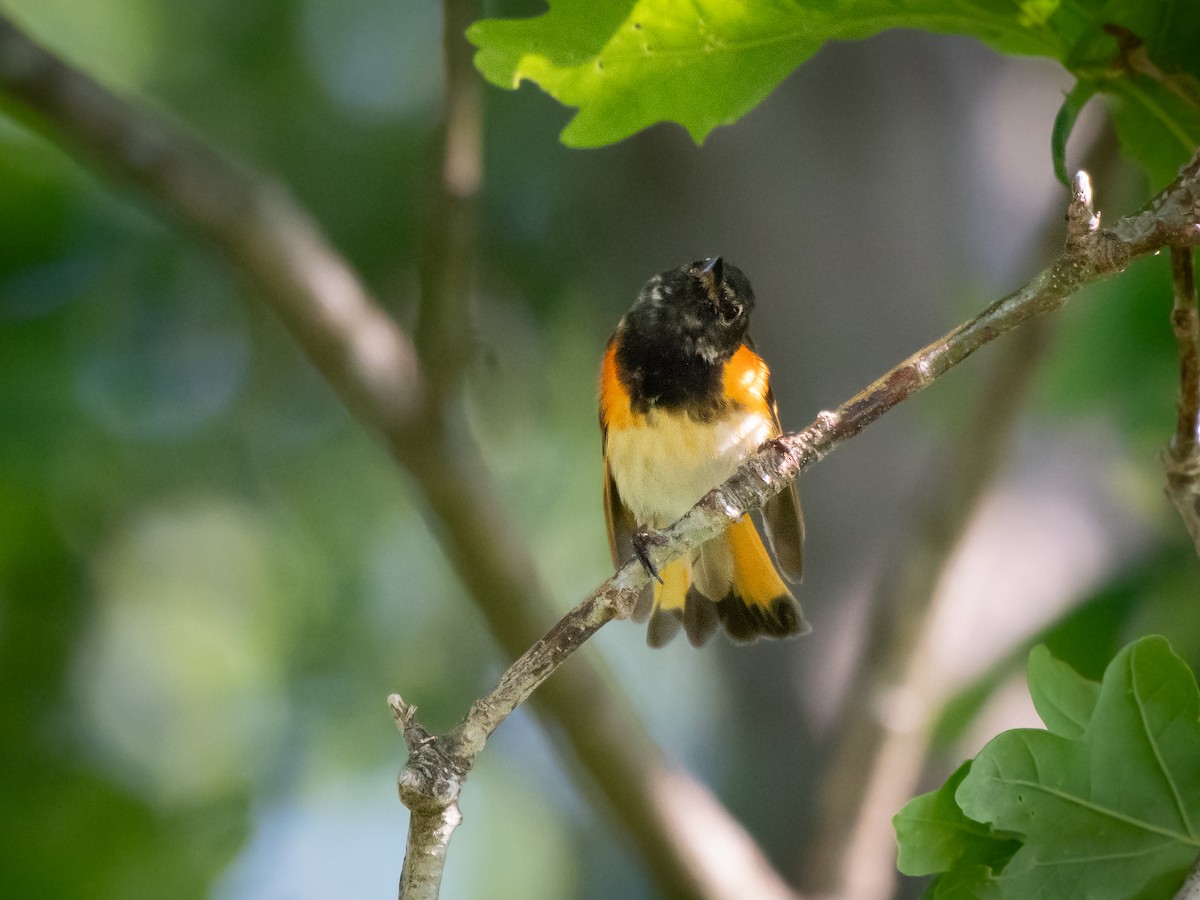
x: 643, y: 540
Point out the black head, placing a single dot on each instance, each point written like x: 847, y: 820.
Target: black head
x: 701, y: 309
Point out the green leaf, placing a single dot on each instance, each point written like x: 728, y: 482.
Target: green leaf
x: 934, y: 836
x: 1114, y: 813
x: 1155, y: 126
x: 1062, y: 698
x: 630, y: 63
x: 627, y: 64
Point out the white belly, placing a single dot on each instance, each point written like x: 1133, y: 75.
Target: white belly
x: 661, y: 471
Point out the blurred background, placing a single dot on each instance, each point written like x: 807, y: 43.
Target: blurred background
x: 211, y: 577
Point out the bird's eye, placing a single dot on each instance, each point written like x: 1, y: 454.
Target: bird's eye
x: 730, y: 312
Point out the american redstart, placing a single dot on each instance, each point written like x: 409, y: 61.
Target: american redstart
x: 684, y: 399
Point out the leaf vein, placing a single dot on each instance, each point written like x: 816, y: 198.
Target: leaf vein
x: 1141, y: 702
x: 1105, y: 811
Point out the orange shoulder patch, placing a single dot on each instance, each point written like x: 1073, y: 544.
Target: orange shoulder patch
x: 747, y: 380
x: 615, y: 409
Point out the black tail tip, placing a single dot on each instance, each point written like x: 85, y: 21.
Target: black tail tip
x: 782, y: 618
x: 664, y: 625
x: 700, y: 618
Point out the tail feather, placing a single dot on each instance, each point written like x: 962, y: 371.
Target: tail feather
x: 700, y: 617
x: 755, y: 578
x: 745, y: 623
x: 712, y: 568
x: 664, y: 625
x: 645, y: 603
x: 729, y: 581
x: 759, y: 603
x: 669, y: 603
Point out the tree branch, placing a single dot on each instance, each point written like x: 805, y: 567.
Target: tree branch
x: 374, y: 367
x: 443, y: 330
x: 1181, y: 460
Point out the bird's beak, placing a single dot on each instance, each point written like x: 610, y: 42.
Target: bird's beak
x: 711, y: 276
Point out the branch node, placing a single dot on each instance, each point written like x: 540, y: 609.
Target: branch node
x: 409, y: 786
x: 402, y: 712
x: 405, y: 716
x: 728, y: 506
x: 1082, y: 218
x: 432, y: 780
x: 622, y: 600
x: 829, y: 419
x: 1081, y: 188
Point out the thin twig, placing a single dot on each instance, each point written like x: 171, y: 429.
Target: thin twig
x: 374, y: 367
x: 1181, y: 460
x: 443, y: 332
x: 431, y: 799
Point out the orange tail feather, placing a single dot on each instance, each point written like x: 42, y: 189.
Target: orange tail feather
x: 729, y: 581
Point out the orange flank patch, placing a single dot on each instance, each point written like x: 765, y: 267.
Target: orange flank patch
x: 747, y: 380
x: 754, y: 575
x: 615, y: 409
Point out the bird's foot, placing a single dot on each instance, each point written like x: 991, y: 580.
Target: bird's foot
x: 643, y: 541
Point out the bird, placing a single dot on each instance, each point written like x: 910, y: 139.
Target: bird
x: 684, y: 399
